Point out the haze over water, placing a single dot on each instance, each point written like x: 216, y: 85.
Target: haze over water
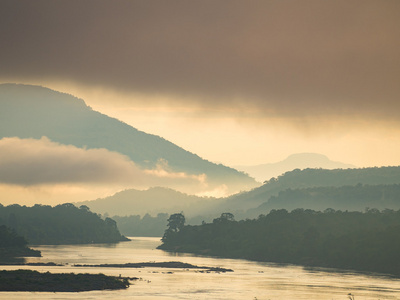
x: 250, y: 280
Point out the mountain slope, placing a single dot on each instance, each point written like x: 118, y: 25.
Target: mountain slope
x: 161, y: 200
x: 353, y: 198
x: 153, y: 201
x: 308, y: 178
x: 295, y: 161
x: 33, y: 111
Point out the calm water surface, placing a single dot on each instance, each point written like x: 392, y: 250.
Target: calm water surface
x: 250, y: 280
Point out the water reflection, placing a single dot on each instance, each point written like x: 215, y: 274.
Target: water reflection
x: 250, y: 280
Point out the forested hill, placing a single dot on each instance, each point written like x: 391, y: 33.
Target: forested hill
x: 353, y: 198
x: 33, y: 111
x: 308, y: 178
x: 62, y: 224
x: 153, y: 201
x: 368, y: 241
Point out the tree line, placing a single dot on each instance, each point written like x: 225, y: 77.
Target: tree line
x: 364, y: 241
x: 62, y: 224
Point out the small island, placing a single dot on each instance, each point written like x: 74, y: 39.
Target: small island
x: 33, y: 281
x: 167, y: 264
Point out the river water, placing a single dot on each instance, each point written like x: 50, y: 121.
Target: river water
x: 250, y: 280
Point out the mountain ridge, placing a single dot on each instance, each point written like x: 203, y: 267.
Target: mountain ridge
x: 310, y: 178
x: 151, y: 201
x: 263, y: 172
x: 66, y: 119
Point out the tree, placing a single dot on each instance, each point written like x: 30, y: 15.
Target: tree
x: 111, y: 223
x: 224, y: 218
x: 84, y: 207
x: 176, y: 222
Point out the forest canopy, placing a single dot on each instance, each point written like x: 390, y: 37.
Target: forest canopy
x: 62, y: 224
x: 364, y: 241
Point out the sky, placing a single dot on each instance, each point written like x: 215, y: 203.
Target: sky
x: 236, y: 82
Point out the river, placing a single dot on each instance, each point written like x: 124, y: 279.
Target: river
x: 250, y: 280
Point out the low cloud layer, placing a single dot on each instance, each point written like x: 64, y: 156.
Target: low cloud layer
x: 30, y: 162
x: 286, y: 58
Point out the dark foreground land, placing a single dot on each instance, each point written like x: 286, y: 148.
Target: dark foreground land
x: 33, y: 281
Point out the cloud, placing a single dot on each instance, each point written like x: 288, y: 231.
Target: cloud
x: 287, y: 58
x: 31, y: 162
x: 161, y: 171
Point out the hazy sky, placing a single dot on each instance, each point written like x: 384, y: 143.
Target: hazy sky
x: 237, y: 82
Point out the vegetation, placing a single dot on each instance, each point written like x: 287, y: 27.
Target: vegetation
x: 151, y: 226
x: 318, y: 189
x: 13, y: 246
x: 357, y: 197
x: 27, y: 280
x: 368, y: 241
x: 62, y: 224
x: 175, y: 224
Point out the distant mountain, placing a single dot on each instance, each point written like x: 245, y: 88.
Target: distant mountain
x: 152, y: 201
x: 295, y: 161
x: 318, y: 189
x: 32, y: 112
x: 309, y: 178
x: 164, y: 200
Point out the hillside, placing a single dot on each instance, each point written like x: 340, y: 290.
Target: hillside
x: 309, y: 181
x: 265, y: 172
x: 152, y: 201
x: 309, y: 178
x: 352, y: 198
x: 318, y: 189
x: 68, y: 120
